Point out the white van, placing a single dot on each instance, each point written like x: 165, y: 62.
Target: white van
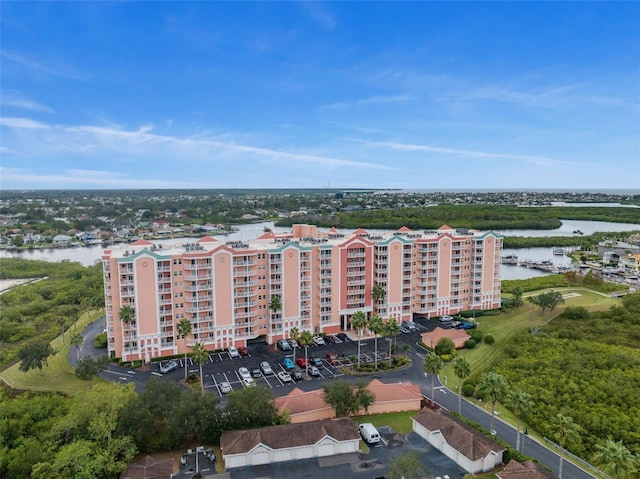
x: 369, y: 433
x: 446, y: 320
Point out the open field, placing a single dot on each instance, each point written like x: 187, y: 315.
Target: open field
x: 57, y: 375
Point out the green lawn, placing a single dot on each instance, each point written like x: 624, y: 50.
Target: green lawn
x: 57, y: 375
x: 399, y: 421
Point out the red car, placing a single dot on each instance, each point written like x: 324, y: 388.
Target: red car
x: 332, y: 358
x: 243, y: 351
x: 302, y: 362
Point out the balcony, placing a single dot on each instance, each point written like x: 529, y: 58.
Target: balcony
x: 196, y: 277
x: 244, y: 263
x: 242, y: 284
x: 198, y: 287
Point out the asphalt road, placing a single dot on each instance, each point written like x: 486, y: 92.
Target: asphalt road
x: 221, y: 366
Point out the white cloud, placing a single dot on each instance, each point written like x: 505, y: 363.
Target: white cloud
x: 23, y: 123
x: 12, y: 100
x: 374, y: 100
x: 62, y: 70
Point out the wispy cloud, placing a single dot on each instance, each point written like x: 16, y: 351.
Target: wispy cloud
x: 13, y: 99
x: 85, y: 178
x: 374, y: 100
x: 23, y: 123
x: 536, y: 160
x: 66, y: 71
x: 318, y: 13
x: 143, y: 144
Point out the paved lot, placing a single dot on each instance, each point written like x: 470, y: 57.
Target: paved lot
x: 354, y: 466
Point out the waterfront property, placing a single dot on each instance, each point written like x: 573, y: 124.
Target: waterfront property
x: 233, y: 292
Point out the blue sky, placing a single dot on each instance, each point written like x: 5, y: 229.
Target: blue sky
x: 434, y: 95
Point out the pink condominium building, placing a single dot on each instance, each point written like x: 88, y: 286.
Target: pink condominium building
x: 226, y: 288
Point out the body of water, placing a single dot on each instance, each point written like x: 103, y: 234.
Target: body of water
x: 88, y: 255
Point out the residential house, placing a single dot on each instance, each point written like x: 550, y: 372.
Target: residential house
x: 466, y: 446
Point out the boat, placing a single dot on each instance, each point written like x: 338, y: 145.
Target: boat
x: 558, y: 251
x: 510, y: 259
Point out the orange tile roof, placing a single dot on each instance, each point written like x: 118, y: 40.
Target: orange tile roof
x: 206, y: 239
x: 142, y: 242
x: 439, y: 333
x: 404, y: 229
x: 525, y: 470
x: 394, y: 392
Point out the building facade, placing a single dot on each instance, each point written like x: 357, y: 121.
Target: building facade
x: 226, y: 289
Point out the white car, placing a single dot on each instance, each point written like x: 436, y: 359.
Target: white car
x: 225, y: 387
x: 319, y: 341
x: 266, y: 368
x: 233, y: 352
x: 248, y: 382
x: 284, y: 376
x: 244, y: 373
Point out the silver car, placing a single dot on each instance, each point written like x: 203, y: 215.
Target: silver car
x: 266, y: 368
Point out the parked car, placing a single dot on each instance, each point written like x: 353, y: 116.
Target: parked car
x: 225, y: 387
x: 266, y: 368
x: 329, y: 339
x: 243, y: 351
x: 244, y: 373
x: 318, y: 341
x: 332, y: 358
x: 344, y: 337
x: 302, y: 362
x: 284, y: 376
x: 288, y: 363
x: 465, y: 325
x: 296, y: 375
x: 248, y: 382
x: 316, y: 362
x: 336, y: 338
x: 314, y: 371
x: 168, y: 367
x: 233, y: 352
x: 293, y: 343
x: 283, y: 345
x: 410, y: 325
x: 256, y: 373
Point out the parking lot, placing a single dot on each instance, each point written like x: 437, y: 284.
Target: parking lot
x: 222, y: 369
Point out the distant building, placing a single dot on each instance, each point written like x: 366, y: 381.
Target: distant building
x: 225, y: 288
x: 61, y: 239
x: 458, y: 336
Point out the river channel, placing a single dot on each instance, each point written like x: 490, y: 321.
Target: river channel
x: 90, y: 254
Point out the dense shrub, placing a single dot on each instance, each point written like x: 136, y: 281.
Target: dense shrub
x: 476, y: 335
x: 446, y: 357
x: 470, y: 344
x: 472, y: 381
x: 100, y: 340
x: 575, y: 312
x: 468, y: 390
x: 445, y: 346
x: 489, y: 339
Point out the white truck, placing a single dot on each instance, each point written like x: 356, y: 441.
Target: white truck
x: 369, y: 433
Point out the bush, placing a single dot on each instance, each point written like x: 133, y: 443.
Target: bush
x: 446, y: 357
x: 476, y: 335
x: 445, y: 346
x: 470, y: 344
x: 468, y: 390
x: 100, y: 340
x: 471, y: 381
x: 489, y: 339
x: 479, y: 394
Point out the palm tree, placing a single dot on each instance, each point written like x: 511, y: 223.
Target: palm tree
x: 494, y: 388
x: 184, y: 329
x: 76, y: 340
x: 306, y: 338
x: 615, y: 459
x: 275, y: 304
x: 294, y: 333
x: 60, y: 322
x: 200, y: 355
x: 566, y: 432
x: 393, y: 328
x: 462, y: 368
x: 406, y: 348
x: 432, y: 365
x: 377, y: 294
x: 520, y: 404
x: 375, y: 326
x: 358, y: 322
x: 127, y: 315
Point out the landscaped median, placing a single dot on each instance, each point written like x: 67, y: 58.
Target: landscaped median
x: 57, y: 375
